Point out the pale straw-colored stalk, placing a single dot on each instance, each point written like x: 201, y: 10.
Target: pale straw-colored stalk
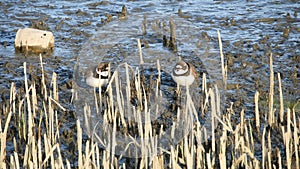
x: 271, y: 93
x: 257, y: 121
x: 281, y: 110
x: 224, y: 67
x: 296, y: 138
x: 140, y: 51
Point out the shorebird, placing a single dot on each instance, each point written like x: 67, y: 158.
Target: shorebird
x: 184, y: 73
x: 98, y: 75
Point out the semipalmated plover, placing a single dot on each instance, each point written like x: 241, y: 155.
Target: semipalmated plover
x: 184, y: 73
x: 98, y: 76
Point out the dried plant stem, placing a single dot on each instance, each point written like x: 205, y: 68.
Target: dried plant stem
x: 271, y: 93
x: 263, y: 146
x: 222, y: 154
x: 213, y: 115
x: 28, y: 102
x: 269, y: 150
x: 140, y: 51
x: 43, y: 79
x: 281, y: 111
x: 296, y: 140
x: 287, y: 136
x: 79, y: 142
x: 224, y: 68
x: 3, y: 135
x: 257, y: 121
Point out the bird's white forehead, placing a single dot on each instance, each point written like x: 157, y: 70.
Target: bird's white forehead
x: 178, y: 66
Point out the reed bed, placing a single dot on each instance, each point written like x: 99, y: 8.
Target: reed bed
x: 269, y: 140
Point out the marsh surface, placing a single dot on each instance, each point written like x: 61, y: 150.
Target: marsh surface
x: 93, y: 31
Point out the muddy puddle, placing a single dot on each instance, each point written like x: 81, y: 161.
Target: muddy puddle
x: 90, y: 32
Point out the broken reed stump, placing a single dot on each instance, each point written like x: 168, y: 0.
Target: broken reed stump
x: 171, y: 43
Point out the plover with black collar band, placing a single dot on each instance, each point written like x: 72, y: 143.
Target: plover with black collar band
x: 98, y: 76
x: 184, y: 74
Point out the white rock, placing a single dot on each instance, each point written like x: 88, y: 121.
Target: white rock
x: 29, y: 39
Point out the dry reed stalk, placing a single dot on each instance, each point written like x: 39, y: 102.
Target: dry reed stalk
x: 140, y: 51
x: 40, y: 152
x: 287, y: 136
x: 279, y: 158
x: 157, y: 89
x: 208, y: 160
x: 269, y: 153
x: 57, y: 104
x: 271, y: 93
x: 204, y: 94
x: 222, y: 154
x: 237, y: 140
x: 105, y: 160
x: 252, y: 146
x: 15, y: 143
x: 12, y: 98
x: 198, y: 134
x: 257, y: 121
x: 263, y: 146
x: 242, y: 122
x: 34, y: 151
x: 199, y: 157
x: 12, y: 163
x: 54, y: 86
x: 59, y: 161
x: 16, y: 160
x: 254, y: 160
x: 86, y: 156
x: 27, y: 90
x: 50, y: 132
x: 111, y: 107
x: 113, y: 138
x: 246, y: 137
x: 26, y: 154
x: 224, y: 68
x: 247, y: 145
x: 173, y: 159
x: 281, y: 111
x: 120, y: 101
x: 44, y: 92
x: 128, y: 94
x: 188, y: 154
x: 34, y: 100
x: 296, y: 139
x: 97, y: 156
x: 158, y: 162
x: 213, y: 115
x: 49, y: 149
x: 79, y: 144
x: 3, y: 135
x: 96, y: 99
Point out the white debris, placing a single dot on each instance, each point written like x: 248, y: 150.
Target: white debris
x: 29, y: 39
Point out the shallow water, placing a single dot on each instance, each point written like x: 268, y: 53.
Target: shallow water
x: 250, y: 31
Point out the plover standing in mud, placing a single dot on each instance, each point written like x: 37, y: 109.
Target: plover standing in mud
x: 98, y: 76
x: 184, y: 73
